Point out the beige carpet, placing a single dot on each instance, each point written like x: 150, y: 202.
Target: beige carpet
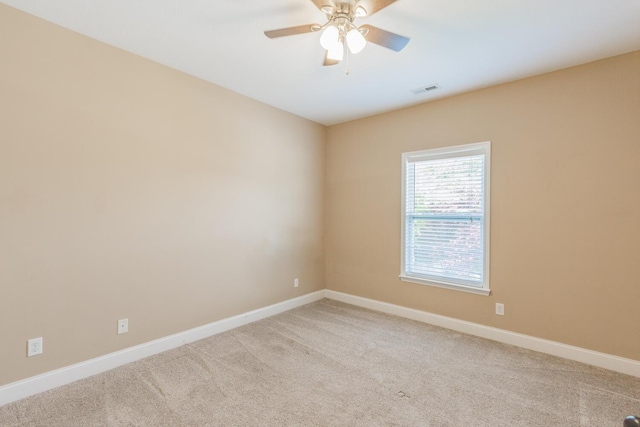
x: 332, y: 364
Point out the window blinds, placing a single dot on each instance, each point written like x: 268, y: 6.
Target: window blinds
x: 444, y: 222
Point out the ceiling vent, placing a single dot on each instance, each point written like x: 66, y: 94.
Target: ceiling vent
x: 425, y: 89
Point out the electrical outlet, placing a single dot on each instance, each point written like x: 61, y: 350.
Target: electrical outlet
x: 34, y: 347
x: 123, y: 326
x: 499, y: 309
x: 295, y: 283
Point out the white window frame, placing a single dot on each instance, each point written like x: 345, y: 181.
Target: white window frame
x: 483, y: 148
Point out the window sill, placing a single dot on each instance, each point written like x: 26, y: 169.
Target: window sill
x: 445, y: 285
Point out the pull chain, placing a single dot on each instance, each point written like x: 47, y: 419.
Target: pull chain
x: 346, y: 72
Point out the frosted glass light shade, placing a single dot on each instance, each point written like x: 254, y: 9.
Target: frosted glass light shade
x: 336, y: 52
x: 330, y: 37
x: 356, y: 41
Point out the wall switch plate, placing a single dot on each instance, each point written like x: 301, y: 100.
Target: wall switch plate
x: 295, y: 283
x: 499, y: 309
x: 34, y: 347
x: 123, y: 326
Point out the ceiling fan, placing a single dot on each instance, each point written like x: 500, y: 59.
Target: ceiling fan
x: 339, y: 30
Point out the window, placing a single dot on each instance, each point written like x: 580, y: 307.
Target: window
x: 445, y: 218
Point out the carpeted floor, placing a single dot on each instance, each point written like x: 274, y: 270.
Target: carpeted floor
x: 332, y: 364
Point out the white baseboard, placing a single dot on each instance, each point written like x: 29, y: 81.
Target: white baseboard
x: 590, y: 357
x: 59, y: 377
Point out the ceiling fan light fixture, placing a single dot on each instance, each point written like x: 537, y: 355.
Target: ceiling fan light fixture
x: 339, y: 33
x: 356, y: 41
x: 330, y: 37
x: 336, y: 52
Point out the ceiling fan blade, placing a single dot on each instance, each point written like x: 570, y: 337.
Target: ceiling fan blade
x: 324, y: 5
x: 373, y: 6
x: 290, y: 31
x: 328, y: 61
x: 384, y: 38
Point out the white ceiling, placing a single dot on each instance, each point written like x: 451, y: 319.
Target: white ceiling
x: 460, y: 45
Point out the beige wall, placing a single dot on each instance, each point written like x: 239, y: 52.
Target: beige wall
x: 565, y: 204
x: 128, y: 189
